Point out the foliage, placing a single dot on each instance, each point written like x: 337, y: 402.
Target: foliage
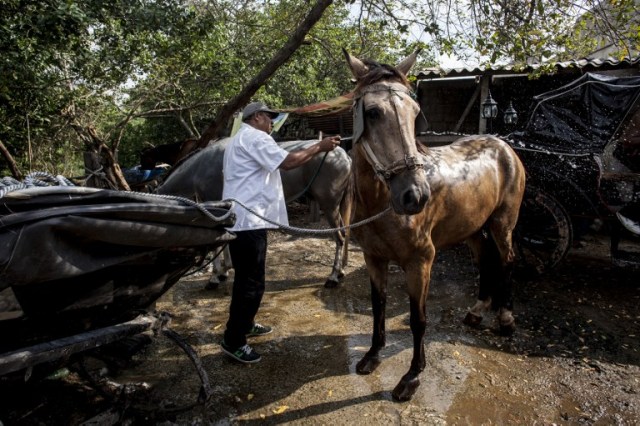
x: 518, y: 31
x: 63, y: 66
x: 125, y: 73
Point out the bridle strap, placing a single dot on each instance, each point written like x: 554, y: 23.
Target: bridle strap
x: 409, y: 162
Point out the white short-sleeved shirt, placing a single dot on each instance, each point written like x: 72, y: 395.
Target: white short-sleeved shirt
x: 251, y: 176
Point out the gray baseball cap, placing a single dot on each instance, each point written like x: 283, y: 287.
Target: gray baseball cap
x: 255, y: 107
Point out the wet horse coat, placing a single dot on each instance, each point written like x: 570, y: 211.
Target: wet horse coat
x: 325, y: 178
x: 468, y: 191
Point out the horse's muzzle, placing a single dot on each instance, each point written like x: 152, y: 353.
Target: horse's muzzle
x: 409, y: 192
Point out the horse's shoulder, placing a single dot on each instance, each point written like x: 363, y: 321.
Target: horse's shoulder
x: 297, y: 144
x: 218, y: 143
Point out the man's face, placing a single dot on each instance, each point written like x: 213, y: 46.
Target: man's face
x: 263, y: 122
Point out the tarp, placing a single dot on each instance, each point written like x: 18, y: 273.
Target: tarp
x: 582, y: 116
x: 77, y: 258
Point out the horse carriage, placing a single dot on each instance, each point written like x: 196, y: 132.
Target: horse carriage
x: 82, y: 267
x: 581, y: 150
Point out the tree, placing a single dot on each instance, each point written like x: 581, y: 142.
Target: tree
x: 102, y: 79
x: 515, y: 31
x: 283, y: 54
x: 63, y: 67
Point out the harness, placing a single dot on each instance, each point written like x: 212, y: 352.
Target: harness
x: 409, y: 162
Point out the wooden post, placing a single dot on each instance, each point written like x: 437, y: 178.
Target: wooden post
x: 93, y: 168
x: 484, y: 92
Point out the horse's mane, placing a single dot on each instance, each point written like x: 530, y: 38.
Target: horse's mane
x: 378, y: 72
x: 422, y: 149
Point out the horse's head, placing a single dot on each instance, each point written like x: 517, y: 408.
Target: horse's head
x: 384, y: 130
x: 147, y: 159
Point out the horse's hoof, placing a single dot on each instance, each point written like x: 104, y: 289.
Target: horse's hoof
x: 507, y: 329
x: 367, y: 365
x: 211, y: 286
x: 405, y: 390
x: 331, y: 284
x: 472, y: 319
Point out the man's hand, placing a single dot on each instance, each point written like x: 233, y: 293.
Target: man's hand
x: 298, y: 158
x: 329, y: 143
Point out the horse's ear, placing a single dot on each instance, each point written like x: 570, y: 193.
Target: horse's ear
x: 408, y: 62
x: 358, y: 68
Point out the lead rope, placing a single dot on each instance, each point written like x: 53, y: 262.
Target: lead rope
x: 45, y: 179
x: 315, y: 175
x: 303, y: 231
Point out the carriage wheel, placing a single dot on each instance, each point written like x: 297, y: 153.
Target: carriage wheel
x: 544, y: 233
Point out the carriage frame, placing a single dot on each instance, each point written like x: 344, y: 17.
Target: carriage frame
x: 580, y: 149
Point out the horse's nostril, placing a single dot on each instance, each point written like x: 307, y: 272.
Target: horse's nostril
x: 408, y: 198
x: 411, y: 198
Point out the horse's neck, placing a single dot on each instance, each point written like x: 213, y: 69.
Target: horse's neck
x: 371, y: 192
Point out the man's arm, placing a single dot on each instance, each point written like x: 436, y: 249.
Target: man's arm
x: 298, y: 158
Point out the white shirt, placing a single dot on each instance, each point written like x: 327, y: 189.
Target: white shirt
x: 251, y: 175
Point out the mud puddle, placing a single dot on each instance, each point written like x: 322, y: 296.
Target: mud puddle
x: 573, y: 360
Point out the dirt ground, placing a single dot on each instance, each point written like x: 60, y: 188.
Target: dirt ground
x: 574, y: 359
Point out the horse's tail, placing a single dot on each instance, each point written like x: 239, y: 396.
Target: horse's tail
x: 347, y: 213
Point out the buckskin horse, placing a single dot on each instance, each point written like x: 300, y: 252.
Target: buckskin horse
x: 325, y: 178
x: 468, y: 191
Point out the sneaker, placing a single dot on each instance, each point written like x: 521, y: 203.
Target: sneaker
x: 259, y: 330
x: 245, y: 354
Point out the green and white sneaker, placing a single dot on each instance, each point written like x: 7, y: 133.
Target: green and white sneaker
x: 244, y: 354
x: 259, y: 330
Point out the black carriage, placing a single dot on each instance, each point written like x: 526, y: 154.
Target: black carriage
x: 581, y: 149
x: 82, y: 267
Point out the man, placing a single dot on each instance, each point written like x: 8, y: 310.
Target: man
x: 251, y: 175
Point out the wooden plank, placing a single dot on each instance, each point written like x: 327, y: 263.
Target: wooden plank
x: 473, y: 99
x: 66, y: 346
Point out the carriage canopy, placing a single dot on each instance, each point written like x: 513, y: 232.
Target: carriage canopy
x: 582, y: 116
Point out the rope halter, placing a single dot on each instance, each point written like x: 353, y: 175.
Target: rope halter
x: 382, y: 171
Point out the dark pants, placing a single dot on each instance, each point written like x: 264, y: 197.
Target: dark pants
x: 248, y: 254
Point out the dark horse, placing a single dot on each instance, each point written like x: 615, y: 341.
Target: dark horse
x: 468, y: 191
x: 170, y: 153
x: 326, y: 179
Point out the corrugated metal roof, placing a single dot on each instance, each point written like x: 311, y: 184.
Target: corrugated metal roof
x: 584, y: 65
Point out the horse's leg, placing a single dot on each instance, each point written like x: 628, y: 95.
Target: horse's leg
x: 481, y: 257
x: 338, y: 214
x: 502, y: 297
x: 221, y: 265
x: 418, y: 278
x: 346, y: 215
x: 377, y: 268
x: 337, y: 271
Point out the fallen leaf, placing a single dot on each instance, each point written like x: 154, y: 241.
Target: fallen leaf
x: 281, y: 409
x: 249, y: 397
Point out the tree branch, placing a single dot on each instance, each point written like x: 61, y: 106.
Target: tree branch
x: 13, y: 166
x: 269, y: 69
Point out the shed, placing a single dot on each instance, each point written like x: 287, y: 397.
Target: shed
x: 450, y: 99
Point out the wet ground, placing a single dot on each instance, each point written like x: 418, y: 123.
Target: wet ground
x: 575, y: 358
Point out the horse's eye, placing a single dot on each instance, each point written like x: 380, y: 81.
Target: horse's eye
x: 372, y: 114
